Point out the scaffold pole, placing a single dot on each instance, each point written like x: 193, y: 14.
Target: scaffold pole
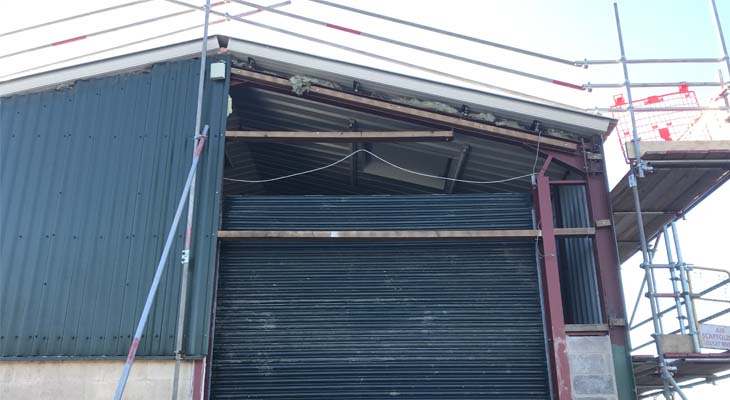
x: 186, y: 254
x: 667, y: 379
x: 158, y: 275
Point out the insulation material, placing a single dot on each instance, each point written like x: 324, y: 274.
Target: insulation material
x: 428, y: 105
x: 562, y: 134
x: 489, y: 117
x: 509, y: 124
x: 301, y: 84
x: 444, y: 108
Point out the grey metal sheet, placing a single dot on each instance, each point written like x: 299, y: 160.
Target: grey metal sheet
x: 90, y: 178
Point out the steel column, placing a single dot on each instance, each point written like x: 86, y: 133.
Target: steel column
x: 456, y: 174
x: 198, y: 379
x: 605, y: 253
x: 551, y: 288
x: 606, y: 257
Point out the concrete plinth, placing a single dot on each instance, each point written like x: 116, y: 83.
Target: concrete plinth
x: 591, y: 368
x: 91, y: 379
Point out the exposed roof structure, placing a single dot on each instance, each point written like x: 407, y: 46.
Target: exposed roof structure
x: 290, y: 63
x: 281, y: 110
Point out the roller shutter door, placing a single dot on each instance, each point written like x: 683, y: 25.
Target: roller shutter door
x: 417, y: 320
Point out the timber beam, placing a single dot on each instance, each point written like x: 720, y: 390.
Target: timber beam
x: 399, y: 235
x: 342, y: 136
x: 360, y: 102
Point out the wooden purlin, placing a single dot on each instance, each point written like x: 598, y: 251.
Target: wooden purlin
x: 358, y: 101
x: 397, y: 235
x: 347, y: 136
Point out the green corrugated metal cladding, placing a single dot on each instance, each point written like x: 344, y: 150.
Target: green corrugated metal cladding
x: 91, y: 176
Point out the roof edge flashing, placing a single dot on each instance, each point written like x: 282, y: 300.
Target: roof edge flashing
x: 111, y: 66
x: 581, y: 122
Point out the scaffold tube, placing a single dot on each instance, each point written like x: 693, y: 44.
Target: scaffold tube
x: 415, y: 47
x: 158, y: 275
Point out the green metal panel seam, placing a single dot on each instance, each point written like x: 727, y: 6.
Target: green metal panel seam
x: 89, y: 175
x: 219, y: 103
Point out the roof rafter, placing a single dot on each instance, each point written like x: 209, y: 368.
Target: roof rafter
x: 397, y: 110
x: 340, y: 136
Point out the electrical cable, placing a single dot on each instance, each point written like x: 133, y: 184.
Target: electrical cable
x: 386, y: 162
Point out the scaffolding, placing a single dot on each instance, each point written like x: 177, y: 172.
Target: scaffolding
x: 651, y: 118
x: 667, y: 122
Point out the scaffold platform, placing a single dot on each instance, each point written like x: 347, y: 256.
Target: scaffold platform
x: 683, y: 174
x: 690, y: 369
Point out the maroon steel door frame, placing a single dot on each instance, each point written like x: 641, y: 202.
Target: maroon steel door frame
x: 552, y: 298
x: 604, y: 242
x: 605, y: 251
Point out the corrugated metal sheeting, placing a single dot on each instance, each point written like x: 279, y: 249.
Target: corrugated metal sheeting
x: 426, y: 320
x: 480, y: 211
x: 372, y: 320
x: 577, y: 265
x: 257, y: 109
x: 91, y: 175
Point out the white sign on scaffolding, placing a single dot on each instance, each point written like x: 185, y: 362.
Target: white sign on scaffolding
x: 715, y: 336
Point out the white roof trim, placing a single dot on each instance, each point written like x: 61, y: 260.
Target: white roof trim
x: 111, y: 66
x: 579, y: 120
